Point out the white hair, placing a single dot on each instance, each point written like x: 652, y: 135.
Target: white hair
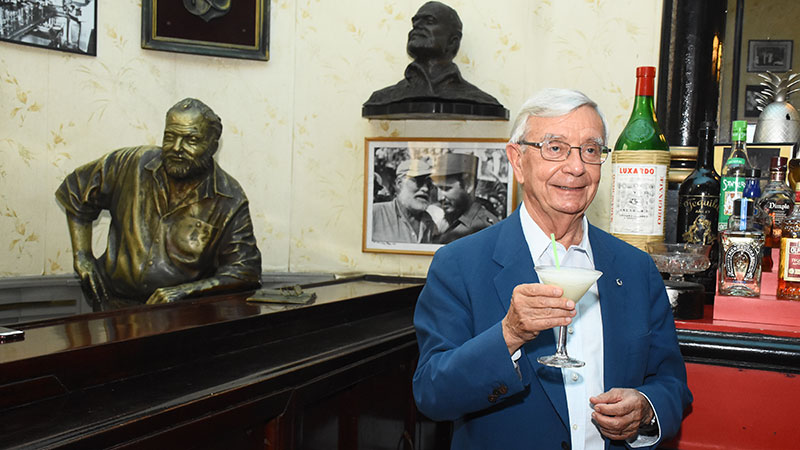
x: 552, y: 102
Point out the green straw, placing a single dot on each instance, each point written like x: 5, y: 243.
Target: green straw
x: 555, y: 253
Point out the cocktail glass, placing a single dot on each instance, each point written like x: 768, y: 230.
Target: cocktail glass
x: 575, y: 282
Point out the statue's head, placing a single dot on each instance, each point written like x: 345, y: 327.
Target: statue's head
x: 436, y: 32
x: 191, y: 137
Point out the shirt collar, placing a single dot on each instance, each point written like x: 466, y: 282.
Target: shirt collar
x: 540, y: 245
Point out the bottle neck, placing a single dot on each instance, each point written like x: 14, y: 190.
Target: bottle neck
x: 777, y: 175
x: 643, y: 103
x: 705, y: 150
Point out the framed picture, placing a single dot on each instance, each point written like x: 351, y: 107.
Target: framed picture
x: 233, y: 29
x: 759, y: 155
x: 751, y: 92
x: 775, y: 56
x: 65, y: 26
x: 422, y: 193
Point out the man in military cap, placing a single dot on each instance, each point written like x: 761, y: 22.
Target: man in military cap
x: 405, y: 219
x: 180, y: 225
x: 454, y: 178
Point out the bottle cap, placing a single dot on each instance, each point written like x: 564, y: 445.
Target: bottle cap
x: 753, y: 173
x: 777, y: 162
x: 737, y: 206
x: 739, y: 130
x: 646, y: 71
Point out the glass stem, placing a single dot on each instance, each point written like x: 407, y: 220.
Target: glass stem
x: 561, y: 349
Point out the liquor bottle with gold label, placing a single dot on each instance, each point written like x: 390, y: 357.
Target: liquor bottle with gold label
x: 698, y: 208
x: 789, y: 268
x: 640, y: 162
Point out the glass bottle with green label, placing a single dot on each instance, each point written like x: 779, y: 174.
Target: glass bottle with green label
x: 733, y: 173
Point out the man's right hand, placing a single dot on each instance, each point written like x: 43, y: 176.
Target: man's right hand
x: 534, y: 308
x: 91, y: 280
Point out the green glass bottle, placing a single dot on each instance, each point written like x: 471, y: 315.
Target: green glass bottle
x: 733, y: 173
x: 640, y: 162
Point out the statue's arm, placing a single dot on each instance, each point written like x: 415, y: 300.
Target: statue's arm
x: 84, y: 262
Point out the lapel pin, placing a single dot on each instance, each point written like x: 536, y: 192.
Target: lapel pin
x: 619, y: 282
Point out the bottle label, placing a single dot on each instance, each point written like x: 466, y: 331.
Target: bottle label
x: 741, y: 258
x: 731, y: 188
x: 698, y: 217
x: 638, y: 198
x: 790, y: 259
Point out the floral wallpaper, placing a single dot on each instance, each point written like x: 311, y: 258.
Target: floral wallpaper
x: 293, y: 132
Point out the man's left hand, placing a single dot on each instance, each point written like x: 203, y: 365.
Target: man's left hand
x: 167, y: 295
x: 619, y: 412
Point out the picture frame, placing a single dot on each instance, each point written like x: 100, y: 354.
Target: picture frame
x: 759, y: 155
x: 68, y: 27
x: 769, y: 55
x: 223, y: 28
x: 751, y: 92
x: 386, y: 198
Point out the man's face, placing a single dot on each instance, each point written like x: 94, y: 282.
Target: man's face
x: 558, y: 188
x: 454, y: 199
x: 431, y: 34
x: 188, y: 147
x: 413, y: 193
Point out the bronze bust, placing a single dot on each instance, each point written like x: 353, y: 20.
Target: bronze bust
x: 180, y: 225
x: 432, y: 79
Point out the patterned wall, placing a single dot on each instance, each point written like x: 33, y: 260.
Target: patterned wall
x: 294, y: 136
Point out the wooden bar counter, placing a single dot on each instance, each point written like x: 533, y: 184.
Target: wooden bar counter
x: 221, y: 372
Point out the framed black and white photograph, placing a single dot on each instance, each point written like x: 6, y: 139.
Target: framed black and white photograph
x: 69, y: 26
x: 422, y: 193
x: 773, y: 56
x: 231, y: 29
x: 751, y: 92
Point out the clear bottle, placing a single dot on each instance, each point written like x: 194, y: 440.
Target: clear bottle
x: 640, y: 162
x: 741, y: 245
x: 733, y: 173
x: 789, y: 267
x: 776, y: 202
x: 698, y: 208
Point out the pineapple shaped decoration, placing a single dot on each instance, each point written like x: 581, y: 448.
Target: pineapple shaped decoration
x: 779, y: 121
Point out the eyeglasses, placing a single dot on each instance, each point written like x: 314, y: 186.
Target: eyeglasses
x: 590, y: 152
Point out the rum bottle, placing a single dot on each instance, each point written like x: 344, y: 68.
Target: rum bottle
x: 640, y: 162
x: 789, y: 267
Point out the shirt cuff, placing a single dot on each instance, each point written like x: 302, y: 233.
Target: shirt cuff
x: 646, y: 440
x: 514, y: 358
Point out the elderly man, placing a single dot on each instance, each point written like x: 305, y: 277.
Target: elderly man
x: 454, y: 178
x: 433, y: 43
x: 180, y: 225
x: 405, y: 218
x: 483, y: 319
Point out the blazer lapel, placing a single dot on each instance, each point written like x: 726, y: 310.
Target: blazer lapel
x: 513, y: 255
x: 613, y: 296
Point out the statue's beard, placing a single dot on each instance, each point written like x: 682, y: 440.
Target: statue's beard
x: 188, y: 168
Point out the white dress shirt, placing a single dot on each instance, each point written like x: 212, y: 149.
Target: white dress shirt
x: 584, y: 337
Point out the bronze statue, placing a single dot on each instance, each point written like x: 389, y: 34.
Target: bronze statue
x: 180, y: 225
x: 433, y: 43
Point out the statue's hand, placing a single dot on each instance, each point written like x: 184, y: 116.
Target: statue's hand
x: 91, y: 282
x: 167, y: 295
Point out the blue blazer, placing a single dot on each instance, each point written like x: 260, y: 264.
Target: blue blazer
x: 465, y: 373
